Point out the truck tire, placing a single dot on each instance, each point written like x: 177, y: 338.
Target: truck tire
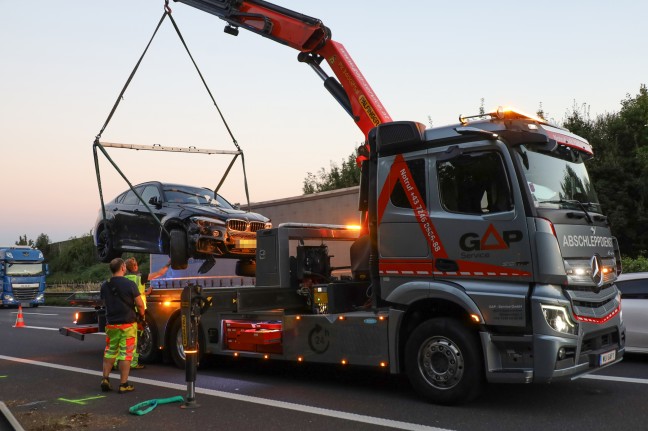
x: 178, y: 250
x: 176, y: 350
x: 105, y: 246
x: 443, y: 360
x: 147, y: 344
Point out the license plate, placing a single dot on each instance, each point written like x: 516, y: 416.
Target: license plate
x: 246, y: 243
x: 607, y: 357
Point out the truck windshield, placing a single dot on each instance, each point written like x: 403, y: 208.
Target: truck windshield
x: 24, y: 269
x: 555, y: 178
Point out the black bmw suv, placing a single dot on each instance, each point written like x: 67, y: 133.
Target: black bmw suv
x: 196, y: 224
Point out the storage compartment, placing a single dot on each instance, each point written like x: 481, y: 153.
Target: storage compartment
x: 347, y: 296
x: 250, y: 336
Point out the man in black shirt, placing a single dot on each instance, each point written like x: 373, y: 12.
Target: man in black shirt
x: 120, y: 296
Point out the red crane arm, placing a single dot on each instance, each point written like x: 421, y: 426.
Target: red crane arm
x: 313, y: 40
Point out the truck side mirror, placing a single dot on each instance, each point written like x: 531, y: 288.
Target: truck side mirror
x: 46, y: 268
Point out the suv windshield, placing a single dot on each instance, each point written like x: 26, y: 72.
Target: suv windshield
x: 556, y: 178
x: 194, y: 195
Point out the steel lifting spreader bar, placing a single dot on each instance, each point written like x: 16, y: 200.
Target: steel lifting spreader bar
x: 158, y: 147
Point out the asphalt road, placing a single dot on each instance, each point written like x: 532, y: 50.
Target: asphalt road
x: 51, y: 382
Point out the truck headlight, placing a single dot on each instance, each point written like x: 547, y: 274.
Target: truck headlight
x: 558, y: 318
x: 8, y: 297
x: 40, y: 297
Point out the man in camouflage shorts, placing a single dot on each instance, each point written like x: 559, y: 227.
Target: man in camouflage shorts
x: 121, y: 297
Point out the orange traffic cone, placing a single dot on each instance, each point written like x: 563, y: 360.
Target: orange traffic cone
x: 20, y: 323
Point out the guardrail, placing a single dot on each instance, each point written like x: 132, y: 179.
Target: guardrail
x: 86, y: 298
x: 86, y: 286
x: 58, y: 295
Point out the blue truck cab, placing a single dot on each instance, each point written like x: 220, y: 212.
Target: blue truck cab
x: 22, y: 276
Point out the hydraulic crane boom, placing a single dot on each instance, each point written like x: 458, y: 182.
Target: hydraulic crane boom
x: 313, y: 40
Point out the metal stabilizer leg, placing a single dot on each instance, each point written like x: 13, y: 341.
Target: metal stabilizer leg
x: 190, y: 368
x: 190, y: 307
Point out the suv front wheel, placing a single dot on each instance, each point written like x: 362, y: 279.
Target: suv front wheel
x: 178, y: 250
x: 105, y: 249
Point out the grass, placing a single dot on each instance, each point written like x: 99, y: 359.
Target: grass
x: 95, y: 273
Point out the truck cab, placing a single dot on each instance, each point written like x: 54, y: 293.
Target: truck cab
x: 22, y: 276
x: 494, y: 223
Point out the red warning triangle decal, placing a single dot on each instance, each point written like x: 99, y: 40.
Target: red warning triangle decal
x: 492, y: 240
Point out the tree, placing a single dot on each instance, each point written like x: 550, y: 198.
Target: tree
x: 619, y: 170
x: 346, y: 175
x: 22, y: 240
x: 76, y: 254
x: 541, y: 113
x: 43, y: 244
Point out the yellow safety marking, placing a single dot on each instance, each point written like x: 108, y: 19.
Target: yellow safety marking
x: 82, y: 401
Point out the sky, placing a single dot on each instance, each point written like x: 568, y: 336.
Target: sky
x: 63, y: 64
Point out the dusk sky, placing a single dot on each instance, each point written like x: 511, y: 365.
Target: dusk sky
x: 64, y: 63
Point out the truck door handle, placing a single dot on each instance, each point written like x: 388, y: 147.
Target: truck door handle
x: 446, y: 265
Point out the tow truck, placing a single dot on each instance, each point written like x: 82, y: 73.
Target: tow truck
x: 483, y: 256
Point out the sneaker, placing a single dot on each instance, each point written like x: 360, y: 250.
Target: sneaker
x: 126, y: 387
x: 105, y: 385
x: 137, y: 367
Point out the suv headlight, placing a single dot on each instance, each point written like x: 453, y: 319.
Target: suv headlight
x: 209, y: 226
x: 558, y: 318
x: 268, y: 225
x: 206, y: 222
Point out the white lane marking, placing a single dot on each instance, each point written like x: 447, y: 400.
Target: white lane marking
x: 41, y: 327
x: 587, y: 376
x: 246, y: 398
x: 37, y: 314
x: 615, y: 379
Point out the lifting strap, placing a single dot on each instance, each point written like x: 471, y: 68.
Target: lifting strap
x: 97, y: 144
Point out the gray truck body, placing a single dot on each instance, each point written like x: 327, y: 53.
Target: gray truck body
x: 530, y: 274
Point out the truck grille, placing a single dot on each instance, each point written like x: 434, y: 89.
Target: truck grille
x: 25, y: 293
x: 594, y: 305
x: 598, y: 342
x: 244, y: 226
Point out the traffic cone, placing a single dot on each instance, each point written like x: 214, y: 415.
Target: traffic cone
x: 20, y: 323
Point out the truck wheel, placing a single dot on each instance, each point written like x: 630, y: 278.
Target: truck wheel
x: 105, y: 249
x: 176, y: 350
x: 147, y: 344
x: 178, y: 249
x: 443, y: 361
